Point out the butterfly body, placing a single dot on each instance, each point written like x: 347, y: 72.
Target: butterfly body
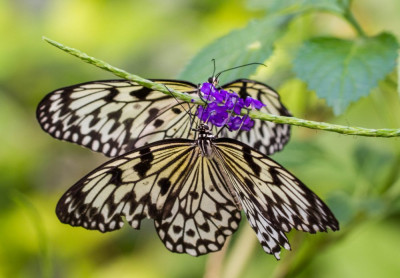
x: 204, y: 141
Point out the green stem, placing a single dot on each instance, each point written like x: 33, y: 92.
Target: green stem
x: 348, y: 15
x: 240, y: 254
x: 360, y: 131
x: 123, y: 74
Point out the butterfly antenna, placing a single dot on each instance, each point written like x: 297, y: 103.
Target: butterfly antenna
x: 213, y: 60
x: 192, y: 117
x: 178, y: 101
x: 245, y: 65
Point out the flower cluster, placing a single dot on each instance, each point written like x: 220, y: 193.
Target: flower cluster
x: 224, y: 108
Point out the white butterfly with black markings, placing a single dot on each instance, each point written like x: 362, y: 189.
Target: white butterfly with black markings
x: 194, y: 190
x: 116, y: 116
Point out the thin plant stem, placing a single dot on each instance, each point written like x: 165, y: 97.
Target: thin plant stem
x: 348, y: 15
x: 215, y: 262
x: 240, y: 254
x: 348, y: 130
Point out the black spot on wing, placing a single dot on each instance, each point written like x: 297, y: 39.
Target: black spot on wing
x: 95, y: 119
x: 250, y: 185
x: 158, y: 123
x: 141, y: 94
x: 165, y: 184
x: 194, y: 194
x: 115, y: 114
x: 169, y: 203
x: 205, y: 227
x: 73, y: 119
x: 145, y: 162
x: 113, y: 92
x: 190, y: 233
x: 257, y: 144
x: 176, y: 110
x: 275, y: 176
x: 116, y: 176
x: 243, y: 91
x: 177, y: 229
x: 249, y: 159
x: 153, y: 112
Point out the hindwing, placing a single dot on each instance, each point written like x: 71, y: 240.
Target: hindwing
x: 273, y: 199
x: 194, y: 191
x: 167, y: 181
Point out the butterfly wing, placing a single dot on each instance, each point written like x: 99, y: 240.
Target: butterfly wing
x: 273, y: 199
x: 167, y: 181
x: 115, y: 116
x: 267, y: 137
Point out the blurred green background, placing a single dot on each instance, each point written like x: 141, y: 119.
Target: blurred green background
x: 358, y: 177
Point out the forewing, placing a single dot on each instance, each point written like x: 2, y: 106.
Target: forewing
x: 273, y: 199
x: 115, y: 116
x: 166, y: 181
x: 267, y: 137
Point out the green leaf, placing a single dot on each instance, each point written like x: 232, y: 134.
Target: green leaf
x: 342, y: 71
x: 337, y: 6
x: 342, y: 206
x: 372, y: 206
x: 254, y: 43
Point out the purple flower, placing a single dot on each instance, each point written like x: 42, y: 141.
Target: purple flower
x: 234, y: 123
x: 253, y: 103
x: 220, y: 96
x: 223, y: 108
x: 215, y: 114
x: 207, y: 88
x: 248, y: 123
x: 224, y: 94
x: 244, y: 123
x: 201, y: 113
x: 219, y: 119
x: 230, y: 100
x: 218, y: 114
x: 211, y: 93
x: 238, y: 106
x: 234, y: 102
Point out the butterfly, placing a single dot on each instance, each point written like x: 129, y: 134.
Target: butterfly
x: 116, y: 116
x: 194, y: 190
